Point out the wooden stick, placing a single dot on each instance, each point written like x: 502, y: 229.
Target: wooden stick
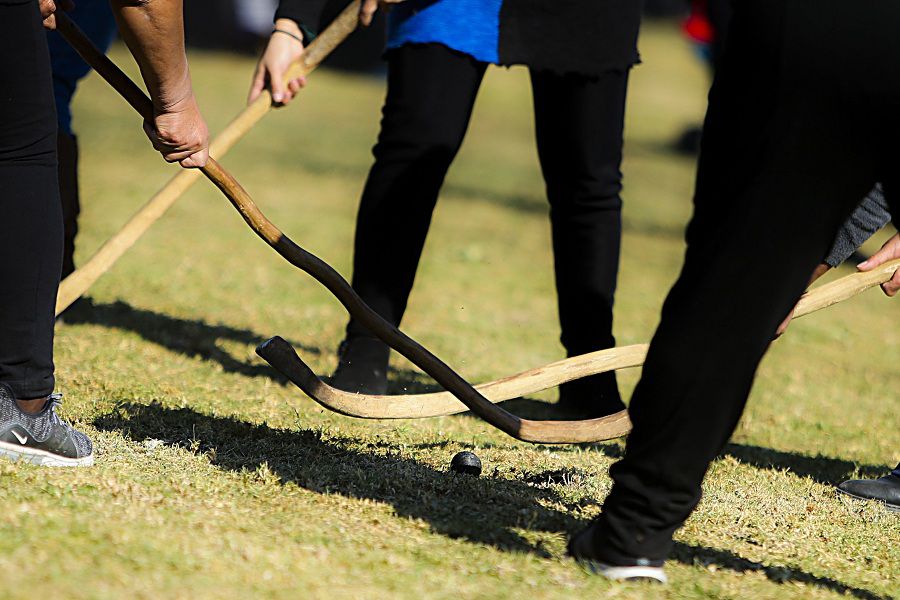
x: 523, y: 429
x: 844, y: 288
x: 416, y: 406
x: 76, y: 284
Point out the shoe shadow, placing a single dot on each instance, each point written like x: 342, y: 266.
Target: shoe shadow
x: 706, y: 557
x: 193, y: 338
x: 487, y: 510
x: 821, y: 469
x: 825, y: 470
x: 196, y: 338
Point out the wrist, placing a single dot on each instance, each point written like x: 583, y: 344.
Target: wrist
x: 289, y: 25
x: 174, y: 95
x: 186, y: 102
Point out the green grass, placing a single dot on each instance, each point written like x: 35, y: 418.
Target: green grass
x: 214, y: 479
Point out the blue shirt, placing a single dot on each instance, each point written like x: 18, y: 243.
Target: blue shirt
x: 468, y: 26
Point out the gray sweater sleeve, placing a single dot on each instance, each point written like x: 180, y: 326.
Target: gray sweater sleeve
x: 872, y: 215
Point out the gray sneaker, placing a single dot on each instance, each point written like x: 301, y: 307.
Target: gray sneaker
x: 42, y: 438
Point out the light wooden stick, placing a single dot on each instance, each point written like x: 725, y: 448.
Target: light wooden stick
x: 76, y: 284
x: 417, y: 406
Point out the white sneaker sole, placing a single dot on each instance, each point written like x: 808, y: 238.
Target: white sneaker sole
x: 635, y: 573
x: 42, y: 458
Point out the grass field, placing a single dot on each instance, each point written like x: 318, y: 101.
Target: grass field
x: 215, y: 479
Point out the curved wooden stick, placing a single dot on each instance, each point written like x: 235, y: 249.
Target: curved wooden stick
x: 522, y: 429
x: 282, y: 356
x: 76, y: 284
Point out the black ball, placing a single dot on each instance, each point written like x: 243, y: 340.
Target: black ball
x: 466, y: 462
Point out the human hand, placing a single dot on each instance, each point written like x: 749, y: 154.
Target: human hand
x: 281, y: 52
x: 818, y: 272
x: 888, y: 252
x: 368, y: 7
x: 180, y: 134
x: 48, y: 7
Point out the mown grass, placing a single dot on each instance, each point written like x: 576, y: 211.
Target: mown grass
x: 215, y: 479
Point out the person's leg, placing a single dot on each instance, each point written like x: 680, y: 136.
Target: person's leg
x: 782, y: 167
x: 95, y: 18
x: 31, y: 240
x: 431, y: 91
x: 30, y: 249
x: 579, y: 123
x: 719, y: 17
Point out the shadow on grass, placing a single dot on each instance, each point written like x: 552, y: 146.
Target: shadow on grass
x: 486, y: 510
x: 821, y: 469
x: 701, y: 556
x: 197, y: 339
x: 825, y: 470
x: 190, y: 337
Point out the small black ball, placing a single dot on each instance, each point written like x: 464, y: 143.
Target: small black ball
x: 466, y: 462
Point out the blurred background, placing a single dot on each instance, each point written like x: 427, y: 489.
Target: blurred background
x: 244, y: 26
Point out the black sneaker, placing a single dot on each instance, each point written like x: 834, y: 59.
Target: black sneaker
x: 592, y: 397
x: 42, y: 438
x: 362, y: 366
x: 886, y: 489
x: 638, y: 569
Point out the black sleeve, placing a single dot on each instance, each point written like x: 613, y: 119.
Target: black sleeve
x: 306, y: 13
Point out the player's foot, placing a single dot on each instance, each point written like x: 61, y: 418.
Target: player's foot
x: 41, y: 438
x: 362, y: 366
x: 591, y: 397
x: 886, y: 489
x: 637, y: 569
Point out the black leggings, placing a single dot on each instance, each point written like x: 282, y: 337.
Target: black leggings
x: 30, y: 215
x: 431, y: 91
x: 802, y: 122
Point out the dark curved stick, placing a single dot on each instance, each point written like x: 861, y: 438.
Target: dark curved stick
x: 522, y: 429
x: 281, y: 355
x: 419, y: 406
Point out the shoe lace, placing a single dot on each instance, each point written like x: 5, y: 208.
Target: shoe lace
x: 54, y: 400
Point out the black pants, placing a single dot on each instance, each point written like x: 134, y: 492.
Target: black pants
x: 30, y: 216
x: 719, y: 12
x: 431, y: 91
x: 802, y: 122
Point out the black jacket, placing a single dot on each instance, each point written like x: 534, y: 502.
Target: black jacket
x: 577, y: 36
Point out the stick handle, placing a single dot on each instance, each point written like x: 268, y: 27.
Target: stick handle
x: 75, y: 285
x: 844, y: 288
